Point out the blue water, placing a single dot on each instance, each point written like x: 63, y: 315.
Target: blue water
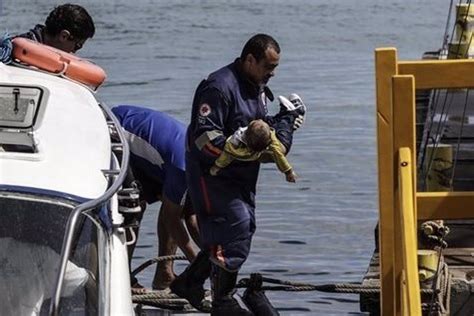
x: 320, y: 229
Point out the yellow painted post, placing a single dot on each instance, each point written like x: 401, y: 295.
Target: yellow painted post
x: 409, y: 276
x: 385, y: 68
x: 403, y: 100
x: 404, y: 118
x: 404, y: 295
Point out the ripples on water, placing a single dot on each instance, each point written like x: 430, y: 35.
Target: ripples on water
x: 318, y: 230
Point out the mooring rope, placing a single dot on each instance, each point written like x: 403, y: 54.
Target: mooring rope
x: 148, y: 263
x: 167, y: 300
x: 170, y: 304
x: 348, y: 288
x: 156, y: 294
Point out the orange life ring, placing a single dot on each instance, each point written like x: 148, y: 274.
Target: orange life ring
x: 58, y: 62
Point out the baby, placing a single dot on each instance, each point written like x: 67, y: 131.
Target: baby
x: 250, y: 144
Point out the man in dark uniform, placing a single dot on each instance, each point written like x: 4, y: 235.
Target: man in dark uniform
x: 67, y: 28
x: 228, y: 99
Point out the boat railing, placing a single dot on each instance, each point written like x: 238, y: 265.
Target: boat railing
x: 116, y: 178
x: 396, y: 84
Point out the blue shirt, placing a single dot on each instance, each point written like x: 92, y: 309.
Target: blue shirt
x: 157, y: 149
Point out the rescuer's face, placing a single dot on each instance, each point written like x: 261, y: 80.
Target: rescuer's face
x: 261, y: 71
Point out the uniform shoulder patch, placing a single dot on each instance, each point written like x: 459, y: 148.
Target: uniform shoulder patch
x: 204, y: 109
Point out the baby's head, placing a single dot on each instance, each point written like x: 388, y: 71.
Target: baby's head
x: 258, y: 135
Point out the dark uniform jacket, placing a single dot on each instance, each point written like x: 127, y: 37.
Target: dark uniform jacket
x: 223, y: 103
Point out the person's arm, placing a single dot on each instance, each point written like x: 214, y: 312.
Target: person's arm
x: 225, y: 158
x: 279, y: 156
x: 277, y: 149
x: 223, y: 161
x: 207, y: 124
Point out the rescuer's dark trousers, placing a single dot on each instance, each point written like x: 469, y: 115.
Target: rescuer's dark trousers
x: 226, y: 216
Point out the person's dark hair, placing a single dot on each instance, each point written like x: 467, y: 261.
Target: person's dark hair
x: 70, y: 17
x: 257, y: 45
x: 258, y: 136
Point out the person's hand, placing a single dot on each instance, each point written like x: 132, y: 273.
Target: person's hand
x: 299, y: 108
x: 214, y: 170
x: 299, y: 120
x: 291, y: 176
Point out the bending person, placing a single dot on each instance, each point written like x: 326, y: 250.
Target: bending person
x: 156, y: 143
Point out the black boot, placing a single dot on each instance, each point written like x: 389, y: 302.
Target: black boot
x: 190, y: 283
x: 223, y: 289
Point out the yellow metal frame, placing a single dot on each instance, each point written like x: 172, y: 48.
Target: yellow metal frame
x: 395, y: 91
x: 409, y: 283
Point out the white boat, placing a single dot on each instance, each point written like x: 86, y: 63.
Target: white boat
x: 62, y: 240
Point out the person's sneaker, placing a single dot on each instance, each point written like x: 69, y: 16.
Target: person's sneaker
x: 299, y: 106
x: 194, y: 293
x: 285, y: 104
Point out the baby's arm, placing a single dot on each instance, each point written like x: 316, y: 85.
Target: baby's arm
x: 282, y: 163
x: 223, y: 160
x: 277, y: 149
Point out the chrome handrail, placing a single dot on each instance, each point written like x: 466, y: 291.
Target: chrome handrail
x: 73, y: 217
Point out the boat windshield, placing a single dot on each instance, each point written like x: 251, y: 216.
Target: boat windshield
x: 31, y: 235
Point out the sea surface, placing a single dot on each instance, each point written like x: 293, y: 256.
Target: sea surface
x: 319, y: 230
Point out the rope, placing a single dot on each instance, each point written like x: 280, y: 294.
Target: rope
x: 171, y: 301
x: 185, y: 307
x: 447, y: 290
x: 148, y: 263
x: 156, y: 295
x: 162, y: 299
x: 348, y: 288
x: 436, y: 277
x: 446, y: 30
x: 458, y: 143
x: 466, y: 99
x: 441, y: 126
